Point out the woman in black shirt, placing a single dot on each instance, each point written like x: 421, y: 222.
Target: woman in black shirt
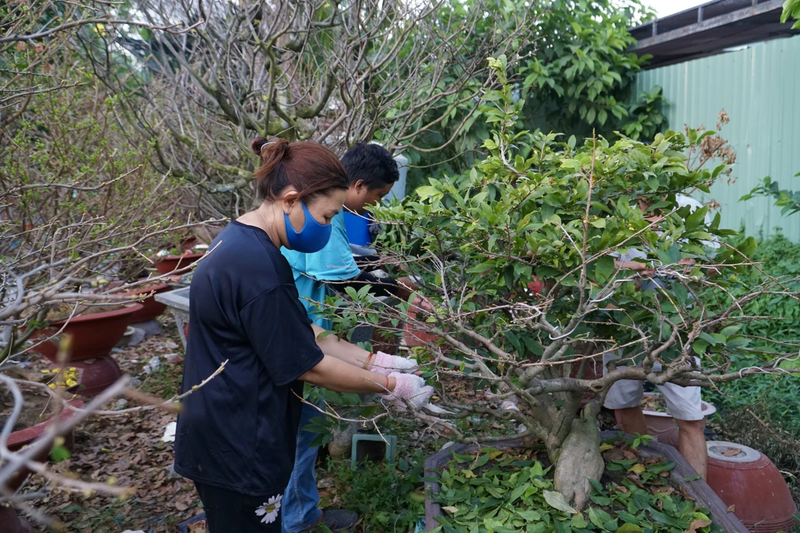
x: 236, y: 436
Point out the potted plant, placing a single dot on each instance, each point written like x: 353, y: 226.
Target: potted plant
x: 176, y: 263
x: 94, y: 331
x: 38, y: 413
x: 150, y: 307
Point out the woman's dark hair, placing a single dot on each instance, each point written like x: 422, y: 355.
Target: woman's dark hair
x: 309, y: 167
x: 372, y: 164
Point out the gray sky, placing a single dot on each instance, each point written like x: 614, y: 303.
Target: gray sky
x: 668, y: 7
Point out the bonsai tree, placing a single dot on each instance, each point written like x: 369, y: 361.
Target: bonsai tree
x: 522, y: 287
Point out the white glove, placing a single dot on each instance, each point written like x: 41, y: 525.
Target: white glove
x: 385, y: 364
x: 410, y: 387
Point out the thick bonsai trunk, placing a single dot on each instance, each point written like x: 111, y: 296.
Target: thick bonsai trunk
x: 578, y: 457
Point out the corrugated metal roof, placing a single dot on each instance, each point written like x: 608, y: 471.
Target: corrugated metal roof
x: 709, y: 29
x: 759, y: 87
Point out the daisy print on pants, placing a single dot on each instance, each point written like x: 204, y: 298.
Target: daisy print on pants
x: 269, y: 510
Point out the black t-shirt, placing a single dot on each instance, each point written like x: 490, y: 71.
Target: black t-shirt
x: 239, y: 431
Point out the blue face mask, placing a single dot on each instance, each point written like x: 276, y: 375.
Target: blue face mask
x: 311, y: 238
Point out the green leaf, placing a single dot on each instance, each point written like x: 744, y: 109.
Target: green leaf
x: 604, y: 268
x: 578, y: 522
x: 601, y: 500
x: 699, y: 346
x: 557, y: 501
x: 517, y: 492
x: 561, y: 527
x: 59, y: 453
x: 482, y: 460
x: 664, y: 518
x: 627, y: 517
x: 629, y: 528
x: 598, y: 517
x: 661, y: 467
x: 530, y: 516
x: 670, y: 256
x: 641, y: 500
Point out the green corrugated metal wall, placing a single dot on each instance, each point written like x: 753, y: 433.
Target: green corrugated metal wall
x: 759, y: 87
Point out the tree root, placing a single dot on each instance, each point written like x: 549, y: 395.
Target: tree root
x: 580, y: 459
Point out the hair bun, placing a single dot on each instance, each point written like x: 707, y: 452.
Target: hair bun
x: 275, y: 148
x: 258, y: 144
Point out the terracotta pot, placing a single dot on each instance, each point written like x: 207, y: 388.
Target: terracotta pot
x: 412, y: 335
x: 189, y: 242
x: 746, y: 479
x: 151, y: 308
x: 10, y: 522
x: 92, y: 335
x: 23, y: 437
x: 662, y: 426
x: 176, y: 264
x: 94, y: 375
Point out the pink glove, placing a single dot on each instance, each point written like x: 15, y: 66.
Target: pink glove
x: 385, y: 364
x: 410, y: 387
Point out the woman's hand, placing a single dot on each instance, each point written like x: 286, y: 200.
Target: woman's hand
x: 385, y: 364
x: 410, y: 387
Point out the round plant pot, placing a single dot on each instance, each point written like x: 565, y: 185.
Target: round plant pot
x: 412, y: 335
x: 151, y: 308
x: 662, y: 426
x: 10, y: 522
x: 92, y: 335
x: 23, y: 437
x: 189, y: 242
x: 748, y: 481
x: 94, y: 375
x: 176, y: 264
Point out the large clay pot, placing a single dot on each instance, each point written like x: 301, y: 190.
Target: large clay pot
x: 92, y: 335
x: 176, y: 264
x: 94, y: 375
x: 662, y: 426
x: 412, y: 335
x: 10, y: 522
x: 747, y: 480
x: 23, y: 437
x: 151, y: 308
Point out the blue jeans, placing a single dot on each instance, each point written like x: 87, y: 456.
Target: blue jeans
x: 299, y: 510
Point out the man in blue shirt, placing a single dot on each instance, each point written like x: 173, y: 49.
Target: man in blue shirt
x: 372, y: 173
